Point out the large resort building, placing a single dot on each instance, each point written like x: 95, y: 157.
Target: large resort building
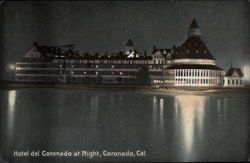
x: 190, y: 64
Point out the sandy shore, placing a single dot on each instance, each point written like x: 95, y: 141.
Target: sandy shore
x: 11, y: 86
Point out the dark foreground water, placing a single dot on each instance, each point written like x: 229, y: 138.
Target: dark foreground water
x: 167, y: 126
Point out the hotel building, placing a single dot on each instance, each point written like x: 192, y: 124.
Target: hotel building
x: 191, y: 64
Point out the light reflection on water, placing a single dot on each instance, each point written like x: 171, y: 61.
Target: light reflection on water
x: 191, y: 110
x: 11, y: 111
x: 170, y: 127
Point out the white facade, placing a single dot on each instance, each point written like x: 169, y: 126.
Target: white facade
x: 194, y: 77
x: 234, y: 80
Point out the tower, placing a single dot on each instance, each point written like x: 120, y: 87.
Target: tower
x: 194, y: 29
x: 129, y: 47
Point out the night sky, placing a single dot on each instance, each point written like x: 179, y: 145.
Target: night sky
x: 106, y: 26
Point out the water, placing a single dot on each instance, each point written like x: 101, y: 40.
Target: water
x: 167, y: 126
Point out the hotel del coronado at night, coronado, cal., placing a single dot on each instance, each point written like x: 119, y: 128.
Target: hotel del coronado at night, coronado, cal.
x: 190, y: 64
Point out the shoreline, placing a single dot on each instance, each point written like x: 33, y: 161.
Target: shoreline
x: 11, y: 86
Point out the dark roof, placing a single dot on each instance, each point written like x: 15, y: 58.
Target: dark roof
x: 68, y: 52
x: 192, y: 66
x: 162, y: 51
x: 193, y: 48
x: 129, y: 42
x: 194, y: 24
x: 231, y: 71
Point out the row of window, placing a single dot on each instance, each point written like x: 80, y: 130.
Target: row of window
x: 233, y: 82
x: 194, y: 81
x: 130, y: 73
x: 86, y: 79
x: 118, y: 66
x: 197, y: 73
x: 39, y: 78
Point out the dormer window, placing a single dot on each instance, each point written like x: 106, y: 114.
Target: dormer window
x: 169, y: 56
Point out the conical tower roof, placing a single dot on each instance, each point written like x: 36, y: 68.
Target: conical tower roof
x: 194, y: 24
x: 129, y: 42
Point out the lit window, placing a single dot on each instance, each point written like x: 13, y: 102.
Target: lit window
x: 120, y: 73
x: 96, y: 66
x: 84, y: 72
x: 112, y: 66
x: 96, y: 73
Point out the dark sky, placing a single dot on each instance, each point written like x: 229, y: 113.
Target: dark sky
x: 106, y: 26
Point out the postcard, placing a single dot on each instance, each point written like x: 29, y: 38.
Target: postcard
x: 124, y: 81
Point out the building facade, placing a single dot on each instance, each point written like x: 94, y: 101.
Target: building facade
x: 234, y: 78
x: 191, y: 64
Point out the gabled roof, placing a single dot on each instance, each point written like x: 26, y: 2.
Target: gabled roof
x: 56, y: 51
x: 232, y: 70
x: 194, y: 24
x: 33, y: 52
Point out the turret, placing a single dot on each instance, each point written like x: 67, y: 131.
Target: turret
x: 194, y: 29
x: 129, y: 47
